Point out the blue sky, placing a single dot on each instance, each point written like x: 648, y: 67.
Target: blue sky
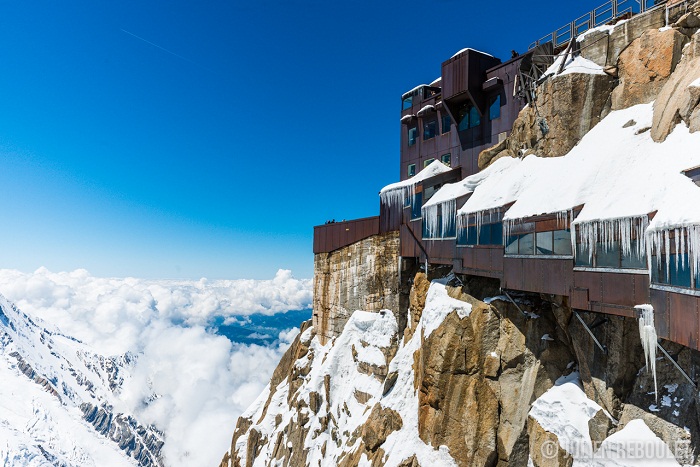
x: 205, y: 139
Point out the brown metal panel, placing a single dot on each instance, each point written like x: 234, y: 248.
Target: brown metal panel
x: 513, y: 273
x: 579, y: 298
x: 684, y: 319
x: 662, y: 319
x: 641, y: 289
x: 496, y: 259
x: 555, y: 276
x: 590, y: 281
x: 531, y: 275
x: 482, y: 258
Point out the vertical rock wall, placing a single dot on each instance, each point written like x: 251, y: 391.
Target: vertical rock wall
x: 361, y: 276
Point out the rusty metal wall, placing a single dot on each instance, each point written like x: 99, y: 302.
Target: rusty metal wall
x: 330, y: 237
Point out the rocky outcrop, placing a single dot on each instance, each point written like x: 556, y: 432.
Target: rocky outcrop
x: 361, y: 276
x: 678, y: 100
x: 645, y: 66
x: 566, y: 108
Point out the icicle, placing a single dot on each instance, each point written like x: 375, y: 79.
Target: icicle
x: 606, y: 232
x: 430, y: 218
x: 449, y: 213
x: 647, y: 333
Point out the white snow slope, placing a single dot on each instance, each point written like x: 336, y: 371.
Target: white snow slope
x: 41, y: 423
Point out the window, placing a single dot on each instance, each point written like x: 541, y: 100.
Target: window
x: 412, y: 135
x: 446, y: 123
x: 468, y: 116
x: 407, y: 102
x: 610, y: 256
x: 675, y: 274
x: 495, y: 107
x: 446, y: 159
x: 411, y: 170
x: 487, y: 234
x: 429, y: 129
x: 549, y: 243
x: 415, y: 207
x: 447, y: 231
x: 428, y: 162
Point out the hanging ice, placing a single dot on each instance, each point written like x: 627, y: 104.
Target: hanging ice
x: 607, y: 232
x: 647, y: 333
x: 394, y: 195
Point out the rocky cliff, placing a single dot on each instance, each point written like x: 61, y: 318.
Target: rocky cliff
x: 464, y: 376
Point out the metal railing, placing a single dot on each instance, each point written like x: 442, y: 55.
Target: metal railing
x: 603, y: 14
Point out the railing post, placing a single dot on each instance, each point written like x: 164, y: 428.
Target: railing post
x: 573, y: 31
x: 615, y: 9
x: 642, y: 6
x: 591, y: 20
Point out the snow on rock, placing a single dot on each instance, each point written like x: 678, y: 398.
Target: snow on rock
x: 393, y: 195
x: 438, y: 305
x: 565, y: 410
x: 576, y: 64
x: 635, y: 445
x: 47, y: 380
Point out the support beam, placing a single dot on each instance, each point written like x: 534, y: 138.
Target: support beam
x: 670, y: 359
x: 590, y: 333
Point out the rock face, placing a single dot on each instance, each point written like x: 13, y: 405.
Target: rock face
x: 361, y: 276
x: 567, y: 107
x: 645, y: 66
x: 678, y: 101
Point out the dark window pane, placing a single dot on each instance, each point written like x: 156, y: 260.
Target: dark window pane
x: 607, y: 258
x: 412, y: 135
x: 512, y: 245
x: 526, y: 244
x: 411, y: 170
x: 583, y: 256
x: 544, y: 244
x: 471, y: 235
x: 495, y: 107
x: 496, y: 234
x: 473, y: 117
x: 446, y: 159
x: 562, y: 242
x: 484, y: 234
x: 634, y: 261
x: 417, y: 204
x: 451, y: 227
x: 446, y: 122
x: 427, y: 163
x: 462, y: 236
x: 463, y: 117
x: 429, y: 129
x: 657, y: 276
x: 407, y: 103
x: 680, y: 273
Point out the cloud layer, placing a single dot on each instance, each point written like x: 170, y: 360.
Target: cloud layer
x: 202, y: 380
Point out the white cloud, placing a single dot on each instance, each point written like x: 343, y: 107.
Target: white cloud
x: 203, y: 381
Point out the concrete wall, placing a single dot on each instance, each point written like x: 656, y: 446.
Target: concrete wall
x: 361, y: 276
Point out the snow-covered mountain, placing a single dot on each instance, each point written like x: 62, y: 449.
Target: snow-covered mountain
x: 59, y: 404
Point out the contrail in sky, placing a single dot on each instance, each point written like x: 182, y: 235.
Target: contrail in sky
x: 164, y: 49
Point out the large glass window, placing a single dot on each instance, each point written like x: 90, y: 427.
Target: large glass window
x: 607, y: 256
x: 562, y: 242
x: 487, y: 234
x: 495, y: 107
x: 416, y: 206
x: 675, y: 274
x: 545, y: 245
x: 610, y: 256
x: 446, y: 122
x: 468, y: 117
x: 412, y: 135
x: 550, y: 243
x: 429, y: 129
